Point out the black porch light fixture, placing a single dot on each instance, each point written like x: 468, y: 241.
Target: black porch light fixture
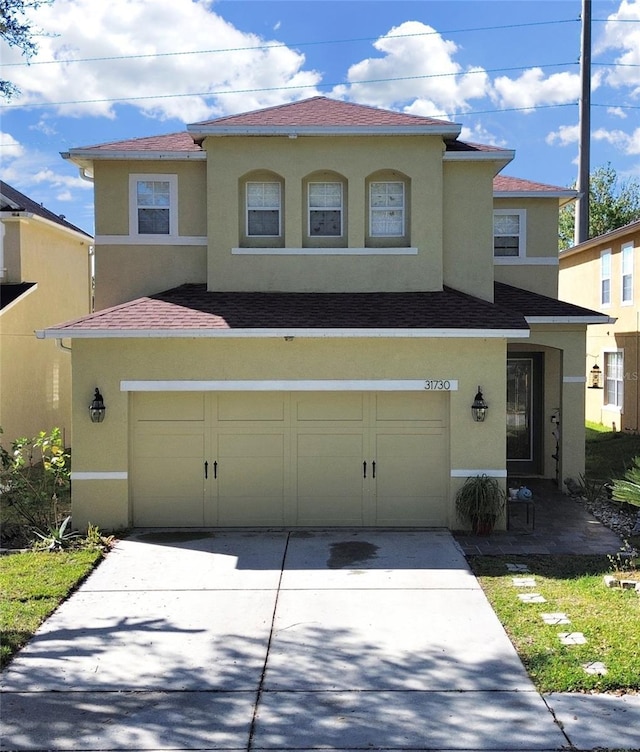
x: 595, y: 375
x: 479, y: 407
x: 97, y: 408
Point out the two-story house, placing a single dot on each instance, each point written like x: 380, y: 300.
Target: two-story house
x: 603, y: 273
x: 44, y: 278
x: 300, y: 306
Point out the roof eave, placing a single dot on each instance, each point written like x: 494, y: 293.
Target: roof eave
x: 587, y: 319
x: 80, y: 333
x: 564, y: 197
x: 292, y: 131
x: 86, y: 157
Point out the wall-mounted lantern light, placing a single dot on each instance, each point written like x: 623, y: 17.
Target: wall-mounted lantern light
x: 97, y: 408
x: 479, y: 407
x: 595, y: 374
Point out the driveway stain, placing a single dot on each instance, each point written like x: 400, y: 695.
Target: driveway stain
x: 174, y: 536
x: 346, y: 553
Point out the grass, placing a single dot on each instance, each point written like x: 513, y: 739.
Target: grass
x: 609, y: 454
x: 573, y: 585
x: 32, y: 585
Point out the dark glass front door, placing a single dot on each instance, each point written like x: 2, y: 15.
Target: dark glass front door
x: 524, y: 414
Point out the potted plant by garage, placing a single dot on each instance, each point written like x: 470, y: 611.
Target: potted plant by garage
x: 481, y: 501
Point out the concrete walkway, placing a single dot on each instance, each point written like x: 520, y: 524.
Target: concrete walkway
x: 339, y: 640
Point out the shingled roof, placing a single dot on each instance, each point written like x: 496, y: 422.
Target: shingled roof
x: 12, y: 200
x: 538, y: 308
x: 189, y: 309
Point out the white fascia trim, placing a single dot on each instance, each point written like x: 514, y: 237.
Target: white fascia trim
x: 525, y: 261
x: 291, y: 131
x: 279, y: 333
x: 567, y: 320
x: 151, y: 240
x: 19, y: 300
x: 137, y: 155
x: 506, y: 156
x: 324, y: 251
x: 290, y: 385
x: 536, y: 194
x: 464, y: 473
x: 99, y: 475
x: 16, y: 216
x: 574, y: 379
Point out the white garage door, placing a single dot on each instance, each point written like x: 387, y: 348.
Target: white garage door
x: 289, y: 459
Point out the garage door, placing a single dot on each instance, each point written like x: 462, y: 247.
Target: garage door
x: 289, y: 459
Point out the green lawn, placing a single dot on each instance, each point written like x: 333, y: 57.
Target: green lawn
x: 572, y: 585
x: 608, y: 454
x: 32, y: 585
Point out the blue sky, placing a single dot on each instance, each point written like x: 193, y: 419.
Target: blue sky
x: 507, y: 70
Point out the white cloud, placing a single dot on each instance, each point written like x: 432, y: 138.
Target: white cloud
x: 628, y: 143
x: 417, y: 66
x: 622, y: 32
x: 617, y: 112
x: 565, y: 135
x: 10, y: 146
x: 480, y: 135
x: 173, y: 80
x: 532, y: 88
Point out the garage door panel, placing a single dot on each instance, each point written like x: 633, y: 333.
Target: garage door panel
x: 163, y: 406
x: 248, y: 406
x: 166, y: 443
x: 329, y: 406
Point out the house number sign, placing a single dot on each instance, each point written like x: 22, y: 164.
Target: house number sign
x: 441, y: 385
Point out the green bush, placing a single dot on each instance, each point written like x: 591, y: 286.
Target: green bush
x: 628, y: 488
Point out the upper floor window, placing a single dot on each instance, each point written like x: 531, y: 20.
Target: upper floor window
x: 614, y: 378
x: 627, y: 273
x: 263, y: 209
x: 605, y: 278
x: 325, y: 209
x: 153, y: 204
x: 509, y: 227
x: 386, y: 209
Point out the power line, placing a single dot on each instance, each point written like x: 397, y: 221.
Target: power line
x: 281, y: 45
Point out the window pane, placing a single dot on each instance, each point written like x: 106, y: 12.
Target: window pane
x: 387, y: 222
x: 614, y: 378
x: 389, y: 195
x: 325, y: 195
x: 153, y: 221
x: 153, y: 193
x: 627, y: 288
x: 506, y: 224
x: 263, y: 195
x: 324, y: 223
x: 264, y: 222
x: 506, y: 246
x: 606, y: 292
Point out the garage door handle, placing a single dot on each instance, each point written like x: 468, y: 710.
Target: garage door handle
x: 364, y: 469
x: 206, y: 470
x: 373, y: 464
x: 215, y: 469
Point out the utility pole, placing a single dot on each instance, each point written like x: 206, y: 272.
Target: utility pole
x: 581, y: 229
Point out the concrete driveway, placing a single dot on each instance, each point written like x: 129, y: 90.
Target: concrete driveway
x: 245, y: 640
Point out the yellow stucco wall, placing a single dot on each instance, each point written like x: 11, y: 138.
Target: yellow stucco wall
x: 105, y: 447
x: 35, y: 375
x: 229, y: 159
x: 580, y: 283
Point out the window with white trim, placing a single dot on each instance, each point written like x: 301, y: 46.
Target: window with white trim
x: 153, y: 205
x: 605, y: 278
x: 509, y: 228
x: 386, y: 209
x: 325, y: 209
x: 627, y: 273
x: 263, y: 209
x: 614, y: 378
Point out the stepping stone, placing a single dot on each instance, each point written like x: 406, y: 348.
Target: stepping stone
x: 572, y: 638
x: 524, y: 581
x: 553, y: 619
x: 517, y: 568
x: 532, y: 598
x: 595, y: 667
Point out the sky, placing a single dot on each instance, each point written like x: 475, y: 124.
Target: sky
x: 507, y: 70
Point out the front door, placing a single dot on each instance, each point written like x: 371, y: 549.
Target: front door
x: 524, y: 413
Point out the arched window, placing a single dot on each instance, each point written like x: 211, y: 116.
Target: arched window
x: 262, y: 215
x: 388, y: 197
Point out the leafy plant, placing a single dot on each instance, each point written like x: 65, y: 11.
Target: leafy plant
x: 56, y: 538
x: 481, y: 501
x: 96, y: 539
x: 593, y: 489
x: 627, y: 489
x: 33, y: 476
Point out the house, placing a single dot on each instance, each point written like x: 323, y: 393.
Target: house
x: 299, y: 306
x: 44, y: 277
x: 603, y: 273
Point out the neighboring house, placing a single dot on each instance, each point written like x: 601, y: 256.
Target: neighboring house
x: 44, y: 277
x: 604, y: 274
x: 300, y: 304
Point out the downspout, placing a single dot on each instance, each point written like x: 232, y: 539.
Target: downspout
x: 62, y: 346
x: 85, y: 175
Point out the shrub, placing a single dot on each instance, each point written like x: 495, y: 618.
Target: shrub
x: 627, y: 489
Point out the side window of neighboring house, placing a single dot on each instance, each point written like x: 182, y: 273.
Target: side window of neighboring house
x: 325, y: 210
x: 509, y: 232
x: 388, y: 197
x: 627, y: 273
x: 614, y: 378
x: 263, y: 205
x: 605, y: 278
x: 153, y: 205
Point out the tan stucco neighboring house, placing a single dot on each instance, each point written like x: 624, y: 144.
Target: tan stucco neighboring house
x: 298, y: 307
x: 44, y: 277
x: 604, y: 274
